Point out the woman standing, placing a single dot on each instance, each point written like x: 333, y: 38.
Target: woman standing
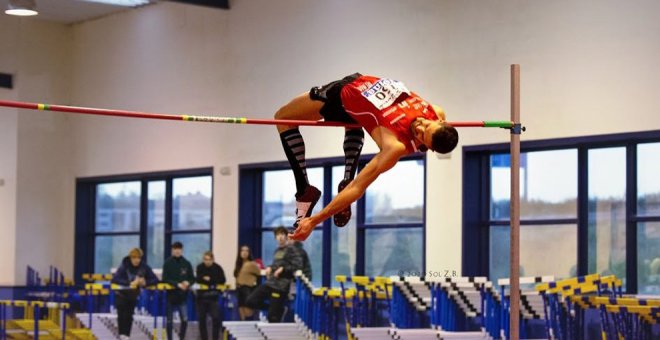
x: 246, y: 273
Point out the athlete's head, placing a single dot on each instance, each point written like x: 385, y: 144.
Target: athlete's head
x: 435, y: 135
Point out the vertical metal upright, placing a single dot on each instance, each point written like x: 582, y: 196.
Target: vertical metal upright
x: 514, y: 316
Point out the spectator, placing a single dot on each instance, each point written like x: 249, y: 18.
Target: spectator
x: 178, y: 272
x: 210, y: 274
x: 279, y: 277
x: 132, y: 275
x: 246, y: 273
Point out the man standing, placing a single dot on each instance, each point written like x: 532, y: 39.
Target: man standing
x: 286, y: 261
x: 132, y: 275
x: 178, y: 272
x: 209, y: 274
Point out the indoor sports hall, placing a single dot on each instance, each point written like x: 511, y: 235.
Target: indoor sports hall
x: 329, y: 169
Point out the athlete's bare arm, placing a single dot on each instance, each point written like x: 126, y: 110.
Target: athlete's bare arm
x: 439, y: 112
x: 391, y: 151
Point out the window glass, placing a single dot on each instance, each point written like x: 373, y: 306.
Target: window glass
x: 544, y: 250
x: 397, y: 196
x: 344, y: 239
x: 118, y: 207
x: 279, y: 190
x: 648, y: 180
x: 648, y: 258
x: 156, y: 224
x: 191, y: 203
x: 111, y: 250
x: 393, y: 251
x: 548, y: 185
x: 607, y: 211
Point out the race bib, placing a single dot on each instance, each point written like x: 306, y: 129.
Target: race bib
x: 384, y: 92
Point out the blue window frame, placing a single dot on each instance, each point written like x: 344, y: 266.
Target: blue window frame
x: 390, y: 214
x: 150, y: 211
x: 590, y: 204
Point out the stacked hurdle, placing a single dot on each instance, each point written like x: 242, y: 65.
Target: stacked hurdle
x: 34, y: 325
x: 54, y: 288
x: 564, y: 317
x: 629, y: 317
x: 96, y: 297
x: 369, y: 297
x: 316, y: 309
x: 455, y: 300
x: 429, y: 309
x: 411, y: 302
x: 532, y: 305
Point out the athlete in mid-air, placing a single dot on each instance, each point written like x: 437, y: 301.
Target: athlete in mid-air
x: 398, y: 120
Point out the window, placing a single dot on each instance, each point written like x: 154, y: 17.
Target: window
x: 344, y: 239
x: 648, y: 218
x: 279, y: 208
x: 117, y: 222
x: 393, y: 221
x: 607, y: 211
x: 588, y: 205
x: 391, y: 212
x: 548, y: 200
x: 148, y: 211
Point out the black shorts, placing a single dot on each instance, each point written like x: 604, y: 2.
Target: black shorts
x: 242, y: 293
x: 330, y: 94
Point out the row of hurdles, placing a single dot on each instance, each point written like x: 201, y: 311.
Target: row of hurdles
x: 389, y: 307
x: 471, y: 308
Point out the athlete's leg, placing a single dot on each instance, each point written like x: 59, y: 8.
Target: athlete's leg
x: 301, y: 107
x: 353, y: 142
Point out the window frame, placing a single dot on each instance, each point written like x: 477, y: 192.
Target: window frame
x: 85, y: 220
x: 476, y: 197
x: 251, y: 201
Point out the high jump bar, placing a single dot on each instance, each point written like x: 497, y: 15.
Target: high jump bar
x: 213, y: 119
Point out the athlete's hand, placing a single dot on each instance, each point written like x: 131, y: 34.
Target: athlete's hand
x: 305, y: 227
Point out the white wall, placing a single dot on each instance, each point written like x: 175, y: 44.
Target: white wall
x: 35, y: 201
x: 8, y: 159
x: 587, y: 68
x: 45, y: 185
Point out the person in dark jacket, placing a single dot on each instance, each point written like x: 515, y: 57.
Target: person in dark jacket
x: 131, y: 275
x: 178, y: 272
x: 209, y: 274
x: 286, y: 261
x: 306, y: 264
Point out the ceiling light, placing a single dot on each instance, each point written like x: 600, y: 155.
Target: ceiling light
x: 126, y: 3
x: 22, y: 8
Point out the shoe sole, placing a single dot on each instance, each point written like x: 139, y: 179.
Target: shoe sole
x: 311, y: 207
x: 342, y: 218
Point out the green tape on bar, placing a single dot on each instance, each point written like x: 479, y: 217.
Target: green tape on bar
x: 500, y: 124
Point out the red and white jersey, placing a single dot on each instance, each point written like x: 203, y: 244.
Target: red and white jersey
x: 374, y: 101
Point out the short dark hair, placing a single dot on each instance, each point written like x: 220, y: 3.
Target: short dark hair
x: 281, y: 230
x: 177, y: 245
x: 444, y: 139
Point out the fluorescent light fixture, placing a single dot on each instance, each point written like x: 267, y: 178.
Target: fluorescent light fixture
x: 125, y: 3
x: 22, y: 8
